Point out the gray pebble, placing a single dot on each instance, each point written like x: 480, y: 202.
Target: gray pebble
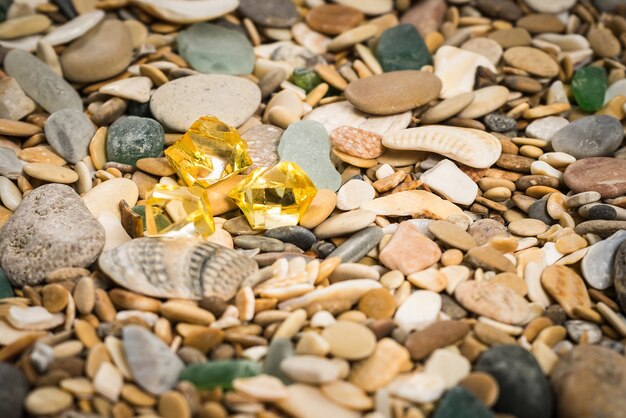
x: 69, y: 132
x: 13, y: 390
x: 10, y: 165
x: 539, y: 210
x: 265, y: 244
x: 296, y: 235
x: 358, y: 245
x: 591, y: 136
x: 597, y: 265
x: 498, y: 122
x: 576, y: 328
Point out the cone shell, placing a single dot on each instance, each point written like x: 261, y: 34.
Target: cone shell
x: 185, y: 268
x: 468, y: 146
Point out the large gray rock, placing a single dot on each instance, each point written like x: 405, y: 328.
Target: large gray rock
x: 588, y: 382
x: 591, y: 136
x: 13, y: 390
x: 70, y: 131
x: 52, y: 228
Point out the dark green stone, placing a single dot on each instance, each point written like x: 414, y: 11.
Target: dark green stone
x: 162, y: 221
x: 402, y: 48
x: 279, y: 349
x: 219, y: 374
x: 4, y: 6
x: 461, y: 403
x: 131, y: 138
x: 305, y: 78
x: 589, y: 86
x: 6, y: 291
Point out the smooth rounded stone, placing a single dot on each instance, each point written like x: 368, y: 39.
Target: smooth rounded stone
x: 349, y: 340
x: 40, y: 82
x: 418, y: 311
x: 486, y: 47
x: 494, y: 301
x: 136, y: 89
x: 353, y: 193
x: 602, y: 228
x: 335, y: 115
x: 515, y: 162
x: 14, y: 103
x: 47, y: 400
x: 486, y: 100
x: 358, y: 245
x: 576, y: 329
x: 51, y: 229
x: 604, y: 43
x: 538, y: 210
x: 69, y: 132
x: 468, y: 146
x: 409, y: 250
x: 437, y: 335
x: 418, y: 387
x: 307, y: 144
x: 213, y: 49
x: 591, y: 136
x: 13, y: 389
x: 131, y: 138
x: 345, y: 223
x: 459, y: 402
x: 447, y: 108
x: 10, y: 194
x: 525, y: 182
x: 393, y: 92
x: 589, y: 381
x: 310, y: 369
x: 369, y: 7
x: 294, y: 234
x: 546, y: 128
x: 531, y: 60
x: 274, y: 13
x: 106, y: 196
x: 179, y: 103
x: 74, y: 28
x: 581, y: 199
x: 503, y: 9
x: 333, y: 19
x: 265, y: 244
x: 604, y: 175
x: 456, y: 68
x: 262, y: 143
x: 597, y: 265
x: 452, y: 235
x: 152, y: 364
x: 553, y: 7
x: 103, y: 52
x: 184, y: 11
x: 511, y: 37
x: 10, y: 166
x: 602, y: 212
x: 541, y: 23
x: 402, y: 48
x: 305, y: 401
x: 619, y: 273
x: 320, y: 209
x: 483, y: 230
x: 51, y: 173
x: 24, y: 26
x: 524, y: 390
x: 426, y: 16
x: 527, y: 227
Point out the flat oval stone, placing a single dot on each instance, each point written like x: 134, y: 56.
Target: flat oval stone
x: 402, y: 48
x: 532, y: 60
x: 486, y: 100
x: 604, y: 175
x: 18, y: 27
x: 452, y: 235
x: 437, y: 335
x: 69, y: 132
x: 307, y: 144
x: 369, y: 7
x: 293, y: 234
x: 393, y: 92
x: 524, y: 390
x: 41, y: 83
x: 447, y: 108
x: 131, y: 138
x: 101, y: 53
x: 597, y: 266
x: 51, y: 228
x: 333, y: 19
x: 213, y: 49
x: 179, y: 103
x: 591, y: 136
x: 494, y: 301
x: 350, y: 340
x: 276, y: 13
x: 184, y: 11
x: 48, y: 400
x: 51, y: 173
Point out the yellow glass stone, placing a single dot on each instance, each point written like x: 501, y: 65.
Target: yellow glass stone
x: 272, y: 197
x: 209, y: 151
x: 187, y: 207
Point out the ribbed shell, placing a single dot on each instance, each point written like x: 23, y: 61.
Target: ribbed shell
x: 468, y: 146
x: 177, y: 268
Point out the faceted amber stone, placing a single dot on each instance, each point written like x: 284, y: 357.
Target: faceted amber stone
x: 208, y: 152
x: 187, y: 207
x: 272, y: 197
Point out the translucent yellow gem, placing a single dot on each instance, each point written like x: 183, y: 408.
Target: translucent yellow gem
x: 208, y: 152
x: 272, y: 197
x: 187, y: 207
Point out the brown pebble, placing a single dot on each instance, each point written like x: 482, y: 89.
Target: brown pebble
x: 377, y: 304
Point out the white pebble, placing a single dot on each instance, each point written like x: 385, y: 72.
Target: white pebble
x: 9, y: 193
x: 543, y: 168
x: 353, y: 194
x: 383, y: 171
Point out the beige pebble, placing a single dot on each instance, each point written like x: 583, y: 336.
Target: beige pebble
x: 350, y: 340
x: 47, y: 401
x: 50, y: 172
x: 173, y: 405
x: 528, y: 227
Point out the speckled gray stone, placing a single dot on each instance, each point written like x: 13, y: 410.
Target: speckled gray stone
x: 591, y: 136
x: 69, y: 132
x: 131, y: 138
x: 52, y: 228
x: 40, y: 83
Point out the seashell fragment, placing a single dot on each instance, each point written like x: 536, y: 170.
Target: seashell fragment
x: 177, y: 268
x: 416, y: 203
x: 471, y: 147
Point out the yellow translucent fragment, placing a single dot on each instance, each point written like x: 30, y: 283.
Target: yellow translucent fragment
x: 273, y: 197
x: 209, y: 151
x: 187, y: 207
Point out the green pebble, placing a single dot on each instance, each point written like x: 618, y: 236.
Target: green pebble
x: 131, y: 138
x: 219, y: 374
x: 402, y: 48
x: 461, y: 403
x: 305, y: 78
x: 6, y: 291
x: 589, y: 87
